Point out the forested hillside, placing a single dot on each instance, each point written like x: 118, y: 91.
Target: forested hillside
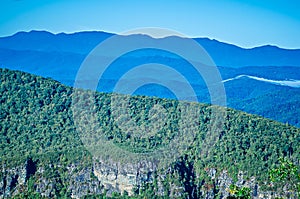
x: 37, y: 129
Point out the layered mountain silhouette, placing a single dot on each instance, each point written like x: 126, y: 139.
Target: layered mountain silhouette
x: 223, y: 54
x: 59, y: 56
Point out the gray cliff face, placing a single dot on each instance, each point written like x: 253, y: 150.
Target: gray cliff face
x: 109, y: 177
x: 121, y: 178
x: 79, y: 182
x: 12, y: 179
x: 48, y: 181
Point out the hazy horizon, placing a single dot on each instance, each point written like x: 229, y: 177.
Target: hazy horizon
x: 103, y: 31
x: 239, y: 22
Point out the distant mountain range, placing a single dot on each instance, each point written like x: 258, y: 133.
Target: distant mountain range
x: 83, y: 42
x: 257, y: 80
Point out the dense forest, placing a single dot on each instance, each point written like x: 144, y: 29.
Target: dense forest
x: 38, y: 127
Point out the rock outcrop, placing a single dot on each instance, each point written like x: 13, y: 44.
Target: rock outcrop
x: 76, y: 180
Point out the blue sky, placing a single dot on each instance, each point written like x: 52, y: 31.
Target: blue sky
x: 241, y: 22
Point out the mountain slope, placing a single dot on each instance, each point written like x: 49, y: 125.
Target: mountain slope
x: 37, y: 129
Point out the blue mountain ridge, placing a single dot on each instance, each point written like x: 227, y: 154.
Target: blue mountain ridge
x: 223, y: 54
